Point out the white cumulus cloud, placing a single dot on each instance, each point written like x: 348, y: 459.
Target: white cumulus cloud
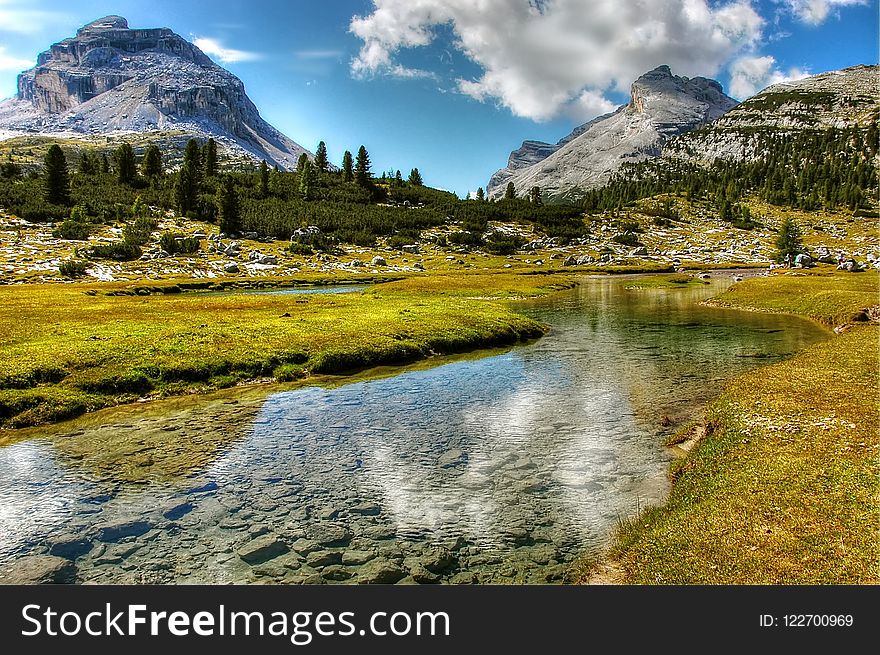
x: 748, y: 75
x: 816, y: 12
x: 544, y: 58
x: 213, y: 48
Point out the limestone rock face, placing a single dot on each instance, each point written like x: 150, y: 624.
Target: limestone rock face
x: 663, y: 106
x: 838, y: 99
x: 110, y: 78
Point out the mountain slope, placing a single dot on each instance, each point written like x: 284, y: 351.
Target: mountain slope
x: 663, y: 106
x: 112, y: 79
x: 836, y: 99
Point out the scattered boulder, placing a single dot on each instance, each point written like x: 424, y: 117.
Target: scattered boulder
x: 357, y: 557
x: 379, y: 261
x: 231, y: 267
x: 641, y: 251
x: 411, y: 249
x: 321, y: 558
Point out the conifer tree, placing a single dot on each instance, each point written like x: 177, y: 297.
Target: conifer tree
x: 415, y: 177
x: 86, y: 164
x: 57, y: 181
x: 227, y: 207
x: 151, y: 167
x: 362, y: 173
x: 264, y: 179
x: 510, y: 192
x: 105, y: 164
x: 186, y: 189
x: 301, y: 163
x: 347, y: 167
x: 209, y: 157
x: 535, y: 196
x: 306, y: 180
x: 126, y: 165
x: 788, y: 241
x: 481, y: 195
x: 321, y: 161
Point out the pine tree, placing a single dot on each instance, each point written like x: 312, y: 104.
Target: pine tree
x: 57, y: 182
x: 481, y: 195
x: 788, y: 241
x: 535, y: 196
x: 306, y: 180
x: 126, y: 165
x: 510, y: 192
x: 209, y: 157
x: 347, y: 167
x: 105, y: 164
x: 186, y: 189
x: 151, y: 167
x: 415, y: 177
x: 301, y: 163
x: 86, y: 164
x: 321, y: 161
x: 362, y: 173
x: 264, y: 179
x: 227, y: 207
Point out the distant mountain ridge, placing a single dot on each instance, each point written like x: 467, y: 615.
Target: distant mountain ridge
x: 110, y: 78
x: 663, y: 106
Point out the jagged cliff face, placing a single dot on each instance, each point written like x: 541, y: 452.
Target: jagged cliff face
x: 663, y: 106
x: 839, y: 99
x: 109, y: 78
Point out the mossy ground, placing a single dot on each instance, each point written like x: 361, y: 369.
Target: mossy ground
x: 783, y: 487
x: 70, y: 349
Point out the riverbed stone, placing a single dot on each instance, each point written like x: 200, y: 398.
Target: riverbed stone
x: 357, y: 557
x: 321, y: 558
x: 329, y: 534
x: 366, y: 509
x: 380, y: 571
x: 71, y: 548
x: 38, y: 569
x: 305, y: 546
x: 262, y: 549
x: 437, y: 559
x: 118, y: 530
x: 336, y: 572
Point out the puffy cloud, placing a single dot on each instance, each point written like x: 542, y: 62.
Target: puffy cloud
x: 213, y: 48
x: 748, y: 75
x: 8, y: 63
x: 543, y: 58
x: 815, y: 12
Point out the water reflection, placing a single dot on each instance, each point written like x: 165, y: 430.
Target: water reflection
x: 515, y: 463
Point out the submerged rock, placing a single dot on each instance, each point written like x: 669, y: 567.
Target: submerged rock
x: 39, y: 569
x: 380, y: 571
x: 262, y: 549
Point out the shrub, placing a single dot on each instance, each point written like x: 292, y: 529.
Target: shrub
x: 500, y: 243
x: 117, y: 250
x: 72, y: 231
x: 300, y: 249
x: 626, y: 239
x: 138, y: 232
x: 73, y: 268
x: 178, y: 244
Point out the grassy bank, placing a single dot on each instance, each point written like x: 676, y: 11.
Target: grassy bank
x: 69, y: 349
x: 783, y: 487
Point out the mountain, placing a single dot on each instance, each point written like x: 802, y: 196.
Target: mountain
x: 836, y: 99
x: 112, y: 79
x: 663, y: 106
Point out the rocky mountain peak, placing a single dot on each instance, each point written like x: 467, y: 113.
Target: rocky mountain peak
x: 111, y: 78
x: 663, y: 105
x: 103, y: 24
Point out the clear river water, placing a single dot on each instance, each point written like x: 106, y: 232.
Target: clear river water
x: 497, y: 468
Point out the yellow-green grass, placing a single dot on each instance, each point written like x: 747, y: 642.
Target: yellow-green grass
x: 64, y: 352
x: 782, y: 489
x: 824, y: 295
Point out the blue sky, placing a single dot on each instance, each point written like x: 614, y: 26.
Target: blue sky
x: 451, y: 86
